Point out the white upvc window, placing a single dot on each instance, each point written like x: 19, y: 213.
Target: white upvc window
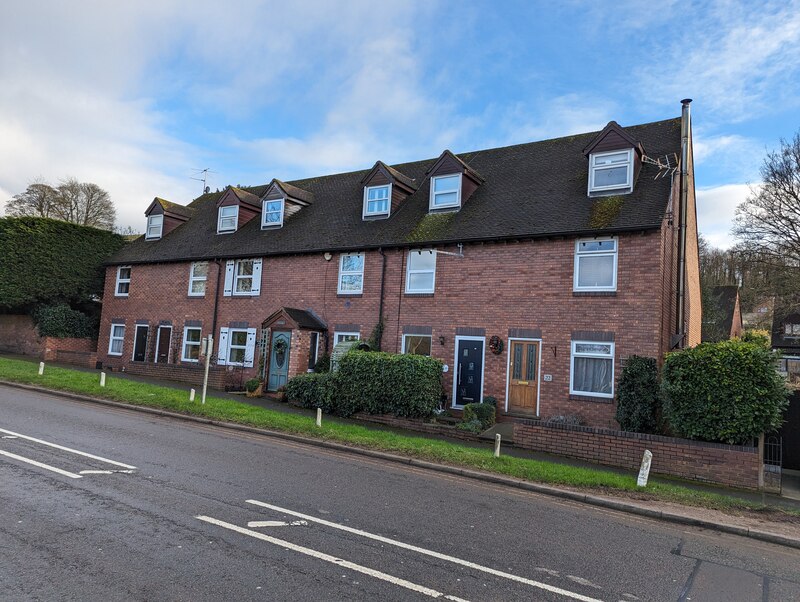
x: 198, y: 274
x: 592, y: 369
x: 272, y: 213
x: 341, y: 337
x: 237, y: 347
x: 595, y: 265
x: 123, y: 284
x: 243, y: 277
x: 116, y: 339
x: 377, y: 200
x: 445, y: 191
x: 351, y: 274
x: 611, y: 171
x: 155, y: 225
x: 191, y: 344
x: 421, y: 271
x: 228, y: 218
x: 417, y: 344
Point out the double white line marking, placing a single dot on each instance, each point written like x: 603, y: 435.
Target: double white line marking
x: 65, y: 473
x: 393, y: 542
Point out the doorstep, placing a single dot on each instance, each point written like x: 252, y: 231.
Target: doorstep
x: 504, y: 429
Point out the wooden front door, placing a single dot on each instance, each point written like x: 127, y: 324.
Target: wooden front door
x: 523, y: 376
x: 279, y: 360
x: 163, y: 341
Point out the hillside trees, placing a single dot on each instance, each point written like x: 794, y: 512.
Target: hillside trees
x: 72, y: 201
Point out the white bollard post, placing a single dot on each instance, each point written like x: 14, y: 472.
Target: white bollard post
x: 319, y: 417
x: 41, y: 368
x: 497, y: 439
x: 102, y: 379
x: 644, y: 471
x: 191, y: 394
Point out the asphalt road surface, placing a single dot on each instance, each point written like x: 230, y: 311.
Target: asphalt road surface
x: 100, y: 503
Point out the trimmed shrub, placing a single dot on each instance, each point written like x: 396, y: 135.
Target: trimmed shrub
x: 490, y: 399
x: 484, y: 413
x: 471, y: 426
x: 312, y: 390
x: 64, y: 322
x: 760, y: 337
x: 252, y: 384
x: 638, y: 395
x: 728, y: 392
x: 386, y: 383
x: 323, y: 364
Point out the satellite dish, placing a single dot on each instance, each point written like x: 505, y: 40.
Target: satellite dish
x: 207, y: 189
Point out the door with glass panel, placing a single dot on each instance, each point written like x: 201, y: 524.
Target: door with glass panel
x: 279, y: 360
x: 523, y: 376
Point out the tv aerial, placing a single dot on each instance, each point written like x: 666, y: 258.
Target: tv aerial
x: 203, y: 173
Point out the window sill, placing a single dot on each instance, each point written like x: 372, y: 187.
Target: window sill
x: 591, y: 398
x: 412, y: 294
x: 594, y: 293
x: 199, y: 296
x: 120, y: 296
x: 350, y: 295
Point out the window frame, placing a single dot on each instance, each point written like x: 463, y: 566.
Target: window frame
x: 220, y: 217
x: 193, y: 279
x: 573, y: 354
x: 279, y: 224
x: 576, y: 287
x: 365, y: 212
x: 336, y: 336
x: 339, y: 290
x: 628, y: 185
x: 231, y: 347
x: 427, y: 336
x: 432, y: 200
x: 112, y: 338
x: 150, y: 225
x: 121, y: 280
x: 185, y: 344
x: 236, y: 277
x: 410, y: 271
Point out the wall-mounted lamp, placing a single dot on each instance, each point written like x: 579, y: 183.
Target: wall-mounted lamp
x: 328, y: 256
x: 441, y: 340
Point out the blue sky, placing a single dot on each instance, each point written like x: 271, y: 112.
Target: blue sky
x: 137, y: 96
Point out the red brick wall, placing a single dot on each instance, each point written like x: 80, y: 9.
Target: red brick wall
x: 18, y: 335
x: 494, y: 286
x: 79, y: 352
x: 731, y: 465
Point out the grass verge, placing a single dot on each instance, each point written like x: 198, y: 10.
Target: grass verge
x: 176, y: 400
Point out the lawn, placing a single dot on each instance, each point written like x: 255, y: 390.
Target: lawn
x: 176, y: 400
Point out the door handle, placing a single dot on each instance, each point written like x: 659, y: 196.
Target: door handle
x: 459, y: 374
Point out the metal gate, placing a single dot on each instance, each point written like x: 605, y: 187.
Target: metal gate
x: 773, y: 462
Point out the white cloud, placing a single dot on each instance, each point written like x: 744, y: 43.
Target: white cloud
x: 736, y: 59
x: 739, y: 157
x: 716, y: 207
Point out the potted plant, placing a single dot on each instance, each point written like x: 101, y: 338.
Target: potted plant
x: 254, y: 387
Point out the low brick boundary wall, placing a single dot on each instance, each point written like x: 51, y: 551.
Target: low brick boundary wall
x: 18, y: 335
x: 730, y: 465
x: 182, y: 373
x: 78, y: 352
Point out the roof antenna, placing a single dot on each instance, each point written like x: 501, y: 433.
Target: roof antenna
x: 202, y: 179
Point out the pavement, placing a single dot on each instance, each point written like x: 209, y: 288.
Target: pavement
x: 759, y: 529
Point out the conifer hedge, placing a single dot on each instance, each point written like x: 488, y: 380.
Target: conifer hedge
x: 49, y: 262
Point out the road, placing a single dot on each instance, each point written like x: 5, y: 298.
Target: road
x: 101, y: 503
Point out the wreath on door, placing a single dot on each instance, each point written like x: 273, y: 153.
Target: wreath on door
x: 279, y: 346
x: 496, y: 345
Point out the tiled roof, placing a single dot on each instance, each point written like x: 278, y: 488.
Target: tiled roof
x: 305, y: 319
x: 170, y: 207
x: 530, y: 190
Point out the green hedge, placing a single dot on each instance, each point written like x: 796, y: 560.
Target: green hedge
x: 388, y: 383
x: 728, y: 392
x: 638, y: 395
x: 48, y: 262
x: 484, y: 413
x: 374, y: 382
x: 64, y: 322
x: 312, y: 390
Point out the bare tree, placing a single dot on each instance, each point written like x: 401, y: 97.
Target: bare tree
x: 86, y: 204
x: 38, y: 200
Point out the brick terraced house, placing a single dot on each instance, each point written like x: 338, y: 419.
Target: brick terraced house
x: 532, y: 271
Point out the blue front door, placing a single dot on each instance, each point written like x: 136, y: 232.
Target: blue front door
x: 279, y: 360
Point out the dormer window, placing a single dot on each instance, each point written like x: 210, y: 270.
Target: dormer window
x: 272, y: 214
x: 376, y: 200
x: 228, y: 217
x: 155, y: 225
x: 611, y: 171
x: 445, y: 191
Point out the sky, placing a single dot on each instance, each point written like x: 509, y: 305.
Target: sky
x: 137, y: 97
